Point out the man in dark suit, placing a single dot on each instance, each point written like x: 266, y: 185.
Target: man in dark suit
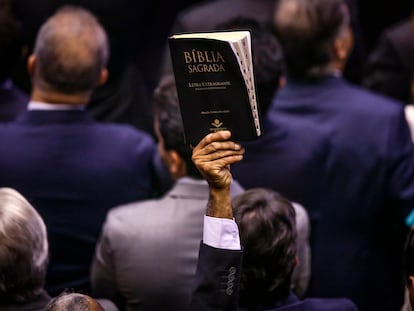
x: 71, y: 168
x: 13, y: 101
x: 344, y: 153
x: 266, y: 222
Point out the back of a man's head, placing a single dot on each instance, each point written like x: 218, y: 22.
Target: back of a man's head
x: 23, y: 249
x: 11, y: 44
x: 268, y: 60
x: 168, y: 122
x: 266, y: 222
x: 73, y: 302
x: 307, y: 30
x: 71, y: 50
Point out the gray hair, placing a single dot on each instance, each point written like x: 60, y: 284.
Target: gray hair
x: 71, y: 50
x: 73, y: 302
x: 23, y: 248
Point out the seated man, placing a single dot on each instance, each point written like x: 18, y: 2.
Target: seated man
x: 267, y: 231
x: 147, y: 255
x: 71, y: 168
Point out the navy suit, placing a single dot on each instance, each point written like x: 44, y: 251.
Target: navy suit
x: 347, y: 156
x: 73, y: 170
x: 13, y: 101
x: 217, y: 286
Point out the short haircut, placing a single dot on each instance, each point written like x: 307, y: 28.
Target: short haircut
x: 408, y: 258
x: 11, y: 44
x: 23, y: 249
x: 268, y: 62
x: 68, y: 301
x: 267, y: 226
x: 307, y: 30
x: 71, y: 50
x: 167, y: 117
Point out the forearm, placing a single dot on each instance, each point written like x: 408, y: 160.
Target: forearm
x: 219, y: 203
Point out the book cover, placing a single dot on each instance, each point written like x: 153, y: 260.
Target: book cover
x: 215, y: 84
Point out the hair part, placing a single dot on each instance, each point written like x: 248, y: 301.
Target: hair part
x: 267, y: 228
x: 307, y: 30
x: 71, y: 50
x: 24, y: 248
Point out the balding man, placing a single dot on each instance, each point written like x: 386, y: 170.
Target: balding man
x: 70, y: 167
x: 73, y: 301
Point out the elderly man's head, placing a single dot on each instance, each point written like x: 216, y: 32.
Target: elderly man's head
x: 70, y: 53
x: 23, y: 249
x: 73, y: 302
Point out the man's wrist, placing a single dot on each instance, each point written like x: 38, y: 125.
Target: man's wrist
x: 219, y: 203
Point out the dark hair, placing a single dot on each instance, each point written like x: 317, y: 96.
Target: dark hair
x: 306, y: 30
x: 267, y: 227
x: 408, y: 258
x: 71, y: 49
x: 11, y: 44
x: 268, y: 63
x: 167, y: 117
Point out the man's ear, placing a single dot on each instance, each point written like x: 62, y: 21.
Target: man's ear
x: 343, y: 45
x: 31, y: 65
x: 410, y: 282
x: 176, y: 165
x: 103, y: 77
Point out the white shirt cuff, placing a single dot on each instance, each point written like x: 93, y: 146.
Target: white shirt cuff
x: 221, y: 233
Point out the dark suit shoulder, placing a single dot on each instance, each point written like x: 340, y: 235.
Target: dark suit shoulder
x: 316, y: 304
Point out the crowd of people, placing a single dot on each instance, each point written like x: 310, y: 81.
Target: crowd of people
x: 104, y: 207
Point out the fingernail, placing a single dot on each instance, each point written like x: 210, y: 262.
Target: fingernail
x: 237, y: 147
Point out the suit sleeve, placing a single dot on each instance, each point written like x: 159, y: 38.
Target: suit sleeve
x: 103, y: 277
x: 217, y: 280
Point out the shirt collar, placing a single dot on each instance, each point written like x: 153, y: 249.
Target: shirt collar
x: 35, y: 105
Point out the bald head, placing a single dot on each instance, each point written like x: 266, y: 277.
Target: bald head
x: 71, y: 50
x: 73, y: 302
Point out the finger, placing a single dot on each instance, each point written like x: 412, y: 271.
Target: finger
x: 217, y: 136
x: 217, y: 155
x: 218, y: 146
x: 220, y: 163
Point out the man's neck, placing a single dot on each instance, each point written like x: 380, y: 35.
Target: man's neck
x: 54, y: 97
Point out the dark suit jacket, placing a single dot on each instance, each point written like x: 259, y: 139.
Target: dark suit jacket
x: 347, y: 156
x: 391, y: 64
x: 13, y: 101
x: 217, y: 286
x: 73, y: 170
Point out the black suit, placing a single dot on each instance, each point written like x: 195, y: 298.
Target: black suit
x: 73, y: 170
x: 345, y: 154
x: 217, y: 286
